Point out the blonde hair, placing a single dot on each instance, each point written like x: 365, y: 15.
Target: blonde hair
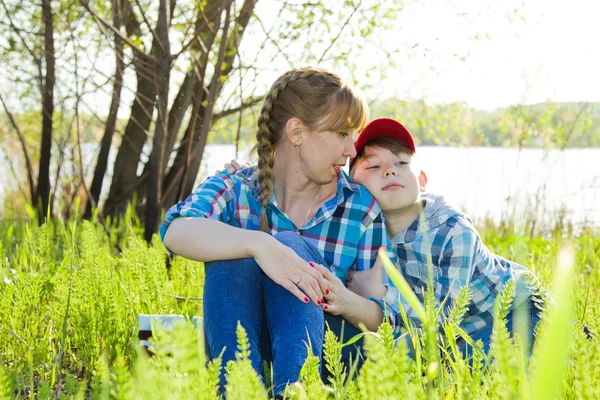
x: 317, y: 97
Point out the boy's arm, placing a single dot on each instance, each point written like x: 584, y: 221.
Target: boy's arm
x: 370, y: 268
x: 368, y: 283
x: 455, y: 265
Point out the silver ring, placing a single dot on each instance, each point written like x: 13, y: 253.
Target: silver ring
x: 299, y: 280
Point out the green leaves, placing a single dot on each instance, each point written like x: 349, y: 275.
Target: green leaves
x: 108, y: 290
x: 6, y: 384
x: 242, y: 380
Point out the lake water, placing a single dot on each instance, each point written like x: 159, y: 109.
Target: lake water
x: 495, y: 182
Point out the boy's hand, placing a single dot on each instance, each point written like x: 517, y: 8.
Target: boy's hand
x: 368, y: 283
x: 232, y: 167
x: 338, y: 299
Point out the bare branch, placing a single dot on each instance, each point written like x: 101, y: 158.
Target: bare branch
x: 340, y: 32
x: 38, y: 60
x: 21, y: 138
x: 274, y: 42
x: 236, y: 43
x: 101, y: 23
x: 14, y: 173
x: 152, y: 31
x: 249, y: 103
x: 199, y: 27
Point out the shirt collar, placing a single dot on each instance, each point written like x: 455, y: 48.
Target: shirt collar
x: 346, y: 185
x: 410, y: 233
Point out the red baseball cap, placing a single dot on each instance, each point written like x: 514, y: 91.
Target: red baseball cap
x: 382, y: 127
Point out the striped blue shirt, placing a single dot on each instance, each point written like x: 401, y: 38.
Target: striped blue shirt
x: 447, y: 238
x: 348, y: 229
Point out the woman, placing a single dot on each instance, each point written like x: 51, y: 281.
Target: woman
x: 263, y: 231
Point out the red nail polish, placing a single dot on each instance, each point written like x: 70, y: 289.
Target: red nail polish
x: 312, y: 264
x: 327, y: 291
x: 306, y: 300
x: 325, y: 306
x: 322, y: 301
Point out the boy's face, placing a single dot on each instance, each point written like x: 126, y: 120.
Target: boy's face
x: 390, y: 178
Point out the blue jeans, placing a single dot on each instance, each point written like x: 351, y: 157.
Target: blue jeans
x: 279, y: 326
x: 531, y: 317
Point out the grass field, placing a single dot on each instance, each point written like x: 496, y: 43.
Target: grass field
x: 68, y: 326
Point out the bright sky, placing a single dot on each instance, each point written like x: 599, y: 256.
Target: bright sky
x: 488, y: 53
x: 528, y: 51
x: 554, y: 53
x: 546, y: 49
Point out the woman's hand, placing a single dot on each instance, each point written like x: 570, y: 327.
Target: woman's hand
x: 280, y: 263
x: 368, y: 283
x: 339, y: 300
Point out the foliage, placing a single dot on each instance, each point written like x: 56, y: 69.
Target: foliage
x: 71, y: 273
x: 90, y: 36
x: 549, y: 125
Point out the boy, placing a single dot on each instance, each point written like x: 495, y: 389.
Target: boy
x: 424, y: 228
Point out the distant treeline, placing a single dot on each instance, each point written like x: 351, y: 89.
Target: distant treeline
x: 544, y: 125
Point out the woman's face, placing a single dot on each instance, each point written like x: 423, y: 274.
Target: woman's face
x: 324, y: 153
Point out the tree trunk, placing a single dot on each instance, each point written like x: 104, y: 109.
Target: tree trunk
x: 227, y: 52
x: 105, y: 144
x: 125, y: 180
x: 41, y: 200
x: 178, y: 109
x: 193, y: 163
x: 173, y: 179
x: 191, y: 149
x: 210, y: 14
x: 126, y: 164
x: 163, y: 67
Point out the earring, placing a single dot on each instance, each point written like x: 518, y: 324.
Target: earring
x: 297, y: 158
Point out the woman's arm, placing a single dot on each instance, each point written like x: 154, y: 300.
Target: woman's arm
x: 204, y: 239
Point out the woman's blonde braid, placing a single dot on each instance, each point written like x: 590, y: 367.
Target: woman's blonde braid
x: 267, y: 138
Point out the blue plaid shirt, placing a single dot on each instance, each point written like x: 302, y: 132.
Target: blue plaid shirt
x: 348, y: 229
x: 448, y: 238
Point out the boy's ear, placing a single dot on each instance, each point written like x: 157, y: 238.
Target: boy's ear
x: 422, y: 181
x: 294, y: 130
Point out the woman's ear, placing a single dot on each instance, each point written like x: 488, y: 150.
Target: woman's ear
x: 422, y: 181
x: 294, y: 131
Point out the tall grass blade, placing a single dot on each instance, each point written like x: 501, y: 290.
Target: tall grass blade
x: 554, y: 344
x: 402, y: 285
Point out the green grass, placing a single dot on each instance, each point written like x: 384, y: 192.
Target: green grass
x: 69, y: 304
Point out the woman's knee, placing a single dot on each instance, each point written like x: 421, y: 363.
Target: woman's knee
x: 300, y: 245
x: 243, y: 271
x: 289, y: 238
